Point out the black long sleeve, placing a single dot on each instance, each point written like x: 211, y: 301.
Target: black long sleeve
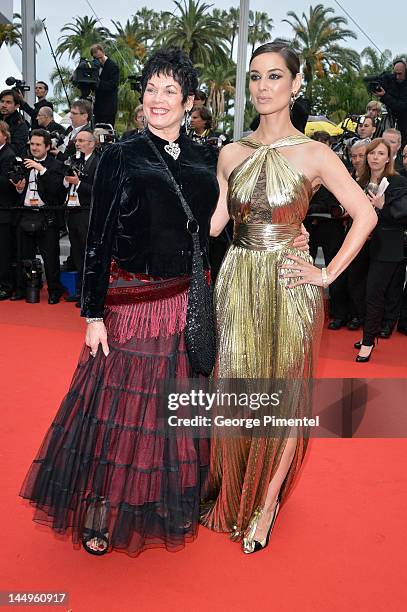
x: 394, y: 210
x: 112, y: 82
x: 106, y: 197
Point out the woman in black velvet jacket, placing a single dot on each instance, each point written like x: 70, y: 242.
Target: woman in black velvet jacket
x: 386, y: 244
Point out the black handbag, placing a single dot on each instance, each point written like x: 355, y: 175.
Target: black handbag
x: 200, y: 335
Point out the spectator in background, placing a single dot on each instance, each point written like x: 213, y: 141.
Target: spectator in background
x: 386, y: 244
x: 41, y: 91
x: 366, y: 128
x: 138, y: 121
x: 327, y: 231
x: 105, y: 107
x: 357, y: 270
x: 396, y: 97
x: 200, y: 99
x: 78, y: 203
x: 393, y: 138
x: 357, y: 157
x: 80, y: 113
x: 403, y: 172
x: 45, y: 119
x: 40, y: 228
x: 9, y: 107
x: 7, y: 199
x: 201, y: 124
x: 374, y: 110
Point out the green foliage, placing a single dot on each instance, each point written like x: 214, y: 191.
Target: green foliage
x: 339, y: 95
x: 333, y: 73
x: 317, y: 39
x: 10, y: 33
x: 80, y: 35
x: 196, y: 31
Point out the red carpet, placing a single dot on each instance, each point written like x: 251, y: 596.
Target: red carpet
x: 338, y: 544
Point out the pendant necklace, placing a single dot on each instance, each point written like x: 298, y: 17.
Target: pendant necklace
x: 173, y: 149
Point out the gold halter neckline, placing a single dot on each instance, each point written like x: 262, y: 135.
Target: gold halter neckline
x: 281, y: 177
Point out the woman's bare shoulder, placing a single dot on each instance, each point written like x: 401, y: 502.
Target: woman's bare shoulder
x: 231, y: 155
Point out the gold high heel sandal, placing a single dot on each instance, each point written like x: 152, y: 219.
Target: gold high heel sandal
x: 250, y: 545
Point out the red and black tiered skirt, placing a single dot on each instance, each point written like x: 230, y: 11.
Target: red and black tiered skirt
x: 107, y: 456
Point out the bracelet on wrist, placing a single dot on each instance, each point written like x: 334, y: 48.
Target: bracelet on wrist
x: 325, y: 279
x: 94, y: 320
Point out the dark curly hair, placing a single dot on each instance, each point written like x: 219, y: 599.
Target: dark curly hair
x: 172, y: 62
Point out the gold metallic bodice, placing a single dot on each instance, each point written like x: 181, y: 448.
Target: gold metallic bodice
x: 268, y: 198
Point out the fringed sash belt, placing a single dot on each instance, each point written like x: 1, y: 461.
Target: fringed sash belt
x: 145, y: 306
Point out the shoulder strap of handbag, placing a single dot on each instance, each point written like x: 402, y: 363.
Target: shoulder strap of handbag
x: 178, y: 191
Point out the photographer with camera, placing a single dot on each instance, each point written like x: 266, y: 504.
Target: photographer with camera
x: 45, y: 119
x: 80, y: 113
x: 106, y: 92
x: 80, y: 181
x: 392, y: 91
x: 42, y: 186
x: 7, y: 200
x: 9, y: 107
x: 41, y: 91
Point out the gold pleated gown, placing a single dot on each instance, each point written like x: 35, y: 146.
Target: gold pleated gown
x: 265, y: 330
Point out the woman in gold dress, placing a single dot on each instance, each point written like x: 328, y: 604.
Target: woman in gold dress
x: 268, y: 294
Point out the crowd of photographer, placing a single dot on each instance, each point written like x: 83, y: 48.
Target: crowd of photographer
x: 47, y: 190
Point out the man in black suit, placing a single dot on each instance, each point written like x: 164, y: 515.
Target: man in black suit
x: 41, y: 91
x: 105, y: 107
x: 46, y: 121
x: 81, y: 113
x: 9, y: 107
x: 40, y: 228
x: 7, y: 199
x: 78, y: 203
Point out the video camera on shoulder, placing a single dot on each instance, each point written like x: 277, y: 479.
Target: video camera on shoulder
x: 17, y: 84
x: 75, y: 165
x: 18, y: 171
x: 86, y: 76
x: 376, y: 82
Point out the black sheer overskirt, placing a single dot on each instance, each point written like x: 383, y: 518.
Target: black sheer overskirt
x: 107, y: 462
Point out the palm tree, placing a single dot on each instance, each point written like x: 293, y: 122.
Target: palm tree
x: 196, y: 32
x: 71, y: 90
x: 375, y: 63
x: 316, y: 40
x: 230, y: 25
x: 130, y: 36
x: 10, y: 33
x: 82, y: 33
x: 220, y: 80
x: 260, y: 26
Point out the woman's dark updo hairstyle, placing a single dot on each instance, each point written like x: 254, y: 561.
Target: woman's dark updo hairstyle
x: 281, y: 47
x: 172, y: 62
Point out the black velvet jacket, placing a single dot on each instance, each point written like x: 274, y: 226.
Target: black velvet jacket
x: 137, y: 218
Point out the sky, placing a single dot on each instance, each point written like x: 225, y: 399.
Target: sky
x: 385, y: 30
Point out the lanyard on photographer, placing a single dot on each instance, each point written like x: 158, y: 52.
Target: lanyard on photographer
x: 32, y: 196
x: 73, y: 198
